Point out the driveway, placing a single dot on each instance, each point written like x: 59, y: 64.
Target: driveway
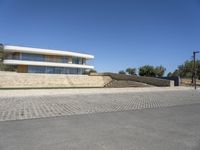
x: 28, y: 104
x: 152, y: 119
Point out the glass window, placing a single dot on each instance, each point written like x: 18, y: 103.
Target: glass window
x: 54, y: 70
x: 36, y: 69
x: 50, y: 70
x: 32, y: 57
x: 75, y: 60
x: 64, y: 59
x: 59, y: 70
x: 14, y: 56
x: 80, y: 71
x: 73, y: 71
x: 67, y: 70
x: 8, y: 56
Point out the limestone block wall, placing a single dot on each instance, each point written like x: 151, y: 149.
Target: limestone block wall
x: 31, y: 80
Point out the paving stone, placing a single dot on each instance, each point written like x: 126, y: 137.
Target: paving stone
x: 27, y: 107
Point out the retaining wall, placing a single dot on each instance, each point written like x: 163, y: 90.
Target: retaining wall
x: 177, y: 80
x: 147, y: 80
x: 33, y: 80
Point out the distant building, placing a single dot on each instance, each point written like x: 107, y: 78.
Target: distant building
x: 36, y: 60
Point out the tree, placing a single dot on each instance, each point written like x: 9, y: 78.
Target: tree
x: 159, y: 71
x: 169, y: 74
x: 1, y: 53
x: 7, y: 67
x: 151, y: 71
x: 176, y: 73
x: 4, y: 67
x: 92, y: 71
x: 131, y: 71
x: 198, y: 69
x: 186, y: 70
x: 147, y: 70
x: 88, y: 71
x: 122, y: 72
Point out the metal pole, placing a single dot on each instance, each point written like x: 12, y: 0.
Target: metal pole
x: 195, y: 86
x: 2, y: 52
x: 195, y: 70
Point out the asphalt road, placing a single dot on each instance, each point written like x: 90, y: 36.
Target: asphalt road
x: 165, y: 128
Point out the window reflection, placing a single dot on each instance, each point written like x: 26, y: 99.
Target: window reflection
x: 36, y: 69
x: 32, y: 57
x: 44, y: 58
x: 54, y: 70
x: 76, y: 60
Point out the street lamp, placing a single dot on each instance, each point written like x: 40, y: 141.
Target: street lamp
x: 195, y: 70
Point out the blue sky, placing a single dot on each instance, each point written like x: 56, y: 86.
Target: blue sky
x: 119, y: 33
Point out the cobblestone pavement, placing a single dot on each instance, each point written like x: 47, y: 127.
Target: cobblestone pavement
x: 27, y: 107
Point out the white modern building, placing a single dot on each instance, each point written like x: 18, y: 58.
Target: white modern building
x: 37, y: 60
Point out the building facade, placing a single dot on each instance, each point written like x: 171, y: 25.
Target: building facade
x: 36, y: 60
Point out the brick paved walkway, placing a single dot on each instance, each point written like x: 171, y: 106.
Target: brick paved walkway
x: 27, y: 107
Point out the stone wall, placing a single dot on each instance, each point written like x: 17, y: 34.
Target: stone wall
x: 31, y: 80
x: 147, y: 80
x: 155, y: 81
x: 177, y: 80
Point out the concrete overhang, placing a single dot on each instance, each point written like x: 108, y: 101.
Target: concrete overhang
x: 9, y: 48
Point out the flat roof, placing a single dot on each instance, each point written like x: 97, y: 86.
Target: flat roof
x: 10, y: 48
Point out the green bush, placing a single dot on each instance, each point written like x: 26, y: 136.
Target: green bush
x: 151, y: 71
x: 122, y: 72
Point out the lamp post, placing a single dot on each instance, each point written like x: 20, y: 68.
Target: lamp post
x: 195, y: 70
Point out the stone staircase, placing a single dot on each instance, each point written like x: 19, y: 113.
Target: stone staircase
x: 123, y: 83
